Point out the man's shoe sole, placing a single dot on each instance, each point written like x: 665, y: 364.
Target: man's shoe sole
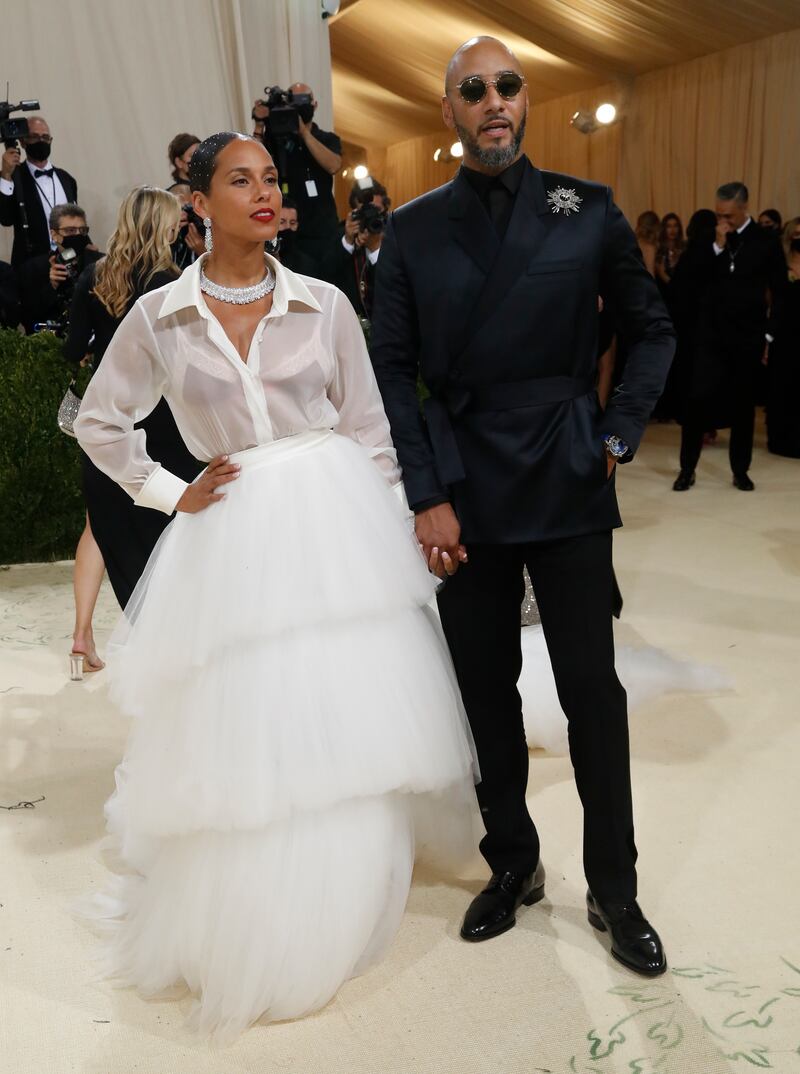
x: 534, y: 896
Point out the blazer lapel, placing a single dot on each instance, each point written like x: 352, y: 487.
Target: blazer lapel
x: 526, y: 230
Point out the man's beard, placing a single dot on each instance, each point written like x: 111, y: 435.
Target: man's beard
x: 496, y: 156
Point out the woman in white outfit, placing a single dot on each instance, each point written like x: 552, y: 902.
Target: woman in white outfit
x: 295, y: 717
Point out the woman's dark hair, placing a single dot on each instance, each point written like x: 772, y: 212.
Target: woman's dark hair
x: 204, y: 159
x: 774, y: 216
x: 702, y: 227
x: 357, y: 193
x: 662, y: 238
x: 177, y: 147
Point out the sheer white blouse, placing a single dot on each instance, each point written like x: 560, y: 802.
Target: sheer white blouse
x: 307, y: 368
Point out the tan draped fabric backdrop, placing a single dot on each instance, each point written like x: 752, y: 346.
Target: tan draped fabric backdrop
x: 117, y: 80
x: 685, y: 130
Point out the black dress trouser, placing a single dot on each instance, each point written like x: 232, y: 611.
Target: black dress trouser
x: 573, y: 582
x: 736, y: 396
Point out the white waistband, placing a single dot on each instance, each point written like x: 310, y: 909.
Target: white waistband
x: 276, y: 450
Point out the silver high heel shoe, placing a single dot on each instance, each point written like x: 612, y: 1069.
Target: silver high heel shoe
x: 76, y: 666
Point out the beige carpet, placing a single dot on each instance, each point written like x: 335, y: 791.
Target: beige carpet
x: 711, y: 574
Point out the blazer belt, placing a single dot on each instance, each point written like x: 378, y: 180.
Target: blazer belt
x: 456, y: 400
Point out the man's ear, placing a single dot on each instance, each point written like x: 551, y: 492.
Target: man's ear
x: 447, y: 114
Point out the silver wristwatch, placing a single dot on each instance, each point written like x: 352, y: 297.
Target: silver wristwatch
x: 615, y: 446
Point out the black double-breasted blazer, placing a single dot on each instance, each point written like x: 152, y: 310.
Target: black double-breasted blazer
x: 503, y: 334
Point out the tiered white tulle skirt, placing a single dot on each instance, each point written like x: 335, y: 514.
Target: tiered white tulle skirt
x: 296, y: 733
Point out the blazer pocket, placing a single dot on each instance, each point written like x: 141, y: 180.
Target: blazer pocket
x: 541, y: 268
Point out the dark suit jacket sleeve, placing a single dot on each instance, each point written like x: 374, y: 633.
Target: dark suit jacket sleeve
x: 394, y: 349
x: 80, y: 318
x: 8, y: 209
x: 643, y: 322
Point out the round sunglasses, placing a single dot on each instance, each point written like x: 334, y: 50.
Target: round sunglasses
x: 474, y: 88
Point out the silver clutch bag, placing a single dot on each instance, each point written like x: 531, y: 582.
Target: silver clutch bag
x: 68, y: 411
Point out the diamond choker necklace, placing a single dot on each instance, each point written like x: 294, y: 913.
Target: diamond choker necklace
x: 239, y: 296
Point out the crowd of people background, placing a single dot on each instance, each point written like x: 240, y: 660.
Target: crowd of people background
x: 731, y: 285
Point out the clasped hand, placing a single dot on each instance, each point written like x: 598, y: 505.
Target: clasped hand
x: 439, y: 534
x: 203, y: 492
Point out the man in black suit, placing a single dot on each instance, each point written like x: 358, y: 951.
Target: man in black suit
x: 30, y: 190
x: 354, y: 255
x: 745, y: 271
x: 488, y: 287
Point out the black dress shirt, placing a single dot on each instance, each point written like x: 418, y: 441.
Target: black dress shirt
x: 497, y: 192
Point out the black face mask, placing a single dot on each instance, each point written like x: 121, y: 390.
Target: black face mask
x: 795, y: 246
x: 78, y: 243
x: 38, y: 151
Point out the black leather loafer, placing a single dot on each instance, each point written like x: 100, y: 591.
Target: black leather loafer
x: 634, y: 941
x: 494, y: 910
x: 743, y: 482
x: 683, y: 481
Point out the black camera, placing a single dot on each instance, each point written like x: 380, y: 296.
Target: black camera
x: 11, y: 130
x: 370, y: 218
x: 71, y: 261
x: 192, y: 217
x: 285, y: 108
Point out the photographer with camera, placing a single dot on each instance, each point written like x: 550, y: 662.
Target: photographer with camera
x: 307, y: 159
x: 288, y: 252
x: 47, y: 281
x: 352, y: 267
x: 30, y: 190
x: 190, y: 243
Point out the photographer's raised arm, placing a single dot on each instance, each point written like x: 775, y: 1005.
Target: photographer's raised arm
x: 326, y: 158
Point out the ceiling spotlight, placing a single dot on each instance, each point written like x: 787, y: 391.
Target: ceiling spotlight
x: 437, y: 154
x: 584, y: 122
x: 360, y: 172
x: 345, y: 173
x: 456, y: 149
x: 606, y: 114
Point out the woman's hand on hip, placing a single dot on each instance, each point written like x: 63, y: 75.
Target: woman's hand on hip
x: 203, y: 492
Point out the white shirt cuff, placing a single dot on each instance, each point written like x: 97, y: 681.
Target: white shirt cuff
x: 347, y: 245
x: 399, y: 490
x: 161, y: 491
x: 6, y: 186
x: 718, y: 249
x: 373, y: 255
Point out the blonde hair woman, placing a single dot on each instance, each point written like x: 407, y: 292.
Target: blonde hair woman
x: 118, y: 537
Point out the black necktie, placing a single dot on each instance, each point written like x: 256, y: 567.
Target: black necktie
x: 38, y: 172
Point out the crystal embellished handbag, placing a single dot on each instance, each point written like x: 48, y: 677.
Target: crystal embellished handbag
x: 68, y: 410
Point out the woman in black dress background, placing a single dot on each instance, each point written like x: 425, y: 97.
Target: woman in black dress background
x: 139, y: 260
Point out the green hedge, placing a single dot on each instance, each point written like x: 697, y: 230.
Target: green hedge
x: 41, y: 505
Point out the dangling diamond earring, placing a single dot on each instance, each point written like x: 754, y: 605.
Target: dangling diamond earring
x: 209, y: 237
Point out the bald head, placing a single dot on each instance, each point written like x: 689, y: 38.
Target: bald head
x: 477, y: 54
x: 301, y: 87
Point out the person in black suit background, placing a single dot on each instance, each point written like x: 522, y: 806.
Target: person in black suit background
x: 488, y: 287
x: 46, y: 284
x: 9, y: 297
x: 30, y: 190
x: 746, y: 271
x: 355, y: 255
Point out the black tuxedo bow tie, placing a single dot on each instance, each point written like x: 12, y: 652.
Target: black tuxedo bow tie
x: 39, y: 171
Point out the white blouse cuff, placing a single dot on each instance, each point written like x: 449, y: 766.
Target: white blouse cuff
x: 399, y: 490
x: 161, y: 491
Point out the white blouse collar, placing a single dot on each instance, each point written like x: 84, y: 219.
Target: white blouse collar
x: 289, y: 287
